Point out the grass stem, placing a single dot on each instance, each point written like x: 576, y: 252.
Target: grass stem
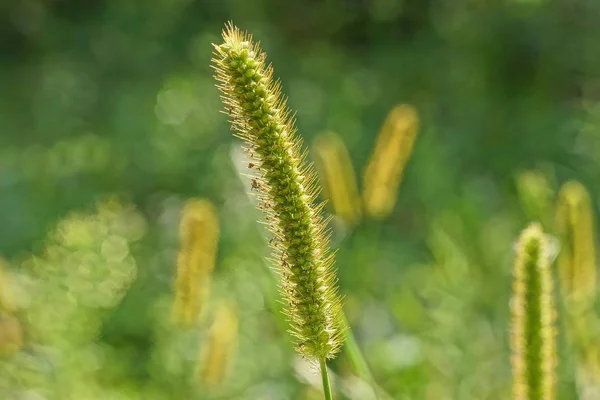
x: 325, y: 378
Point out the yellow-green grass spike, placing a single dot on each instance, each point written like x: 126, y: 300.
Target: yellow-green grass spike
x: 218, y: 356
x: 337, y: 176
x: 199, y: 234
x: 285, y: 186
x: 577, y: 259
x: 577, y: 279
x: 533, y: 315
x: 384, y: 172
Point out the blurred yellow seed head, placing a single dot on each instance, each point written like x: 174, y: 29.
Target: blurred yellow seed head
x: 217, y: 358
x: 337, y: 176
x: 577, y: 258
x: 384, y: 171
x: 199, y: 234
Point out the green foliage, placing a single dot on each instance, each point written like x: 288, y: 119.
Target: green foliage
x: 83, y: 271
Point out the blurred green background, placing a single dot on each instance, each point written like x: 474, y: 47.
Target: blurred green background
x: 116, y: 98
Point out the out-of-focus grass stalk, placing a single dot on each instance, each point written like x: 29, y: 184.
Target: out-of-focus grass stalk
x: 355, y: 355
x: 337, y: 176
x: 533, y: 314
x: 218, y: 357
x: 199, y: 234
x: 577, y: 258
x: 359, y: 362
x: 383, y: 174
x: 577, y: 273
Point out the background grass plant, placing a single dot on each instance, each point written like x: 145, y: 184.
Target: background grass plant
x: 199, y: 233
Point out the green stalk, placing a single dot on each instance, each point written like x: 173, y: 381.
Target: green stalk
x: 325, y: 379
x: 357, y: 359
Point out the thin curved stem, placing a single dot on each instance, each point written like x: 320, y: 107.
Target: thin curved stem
x: 325, y: 378
x: 356, y: 357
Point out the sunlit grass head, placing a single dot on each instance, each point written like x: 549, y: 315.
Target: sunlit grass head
x: 199, y: 234
x: 337, y: 176
x: 285, y: 186
x: 218, y: 353
x: 383, y: 174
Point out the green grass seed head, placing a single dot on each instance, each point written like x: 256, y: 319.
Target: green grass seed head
x: 533, y: 315
x: 286, y: 188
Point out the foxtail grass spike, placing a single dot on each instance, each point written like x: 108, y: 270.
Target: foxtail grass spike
x: 337, y: 176
x: 577, y: 259
x: 217, y: 358
x: 533, y: 315
x: 199, y: 234
x: 383, y: 174
x: 285, y: 186
x: 577, y: 278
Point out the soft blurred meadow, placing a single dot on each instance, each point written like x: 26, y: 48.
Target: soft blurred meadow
x: 133, y: 266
